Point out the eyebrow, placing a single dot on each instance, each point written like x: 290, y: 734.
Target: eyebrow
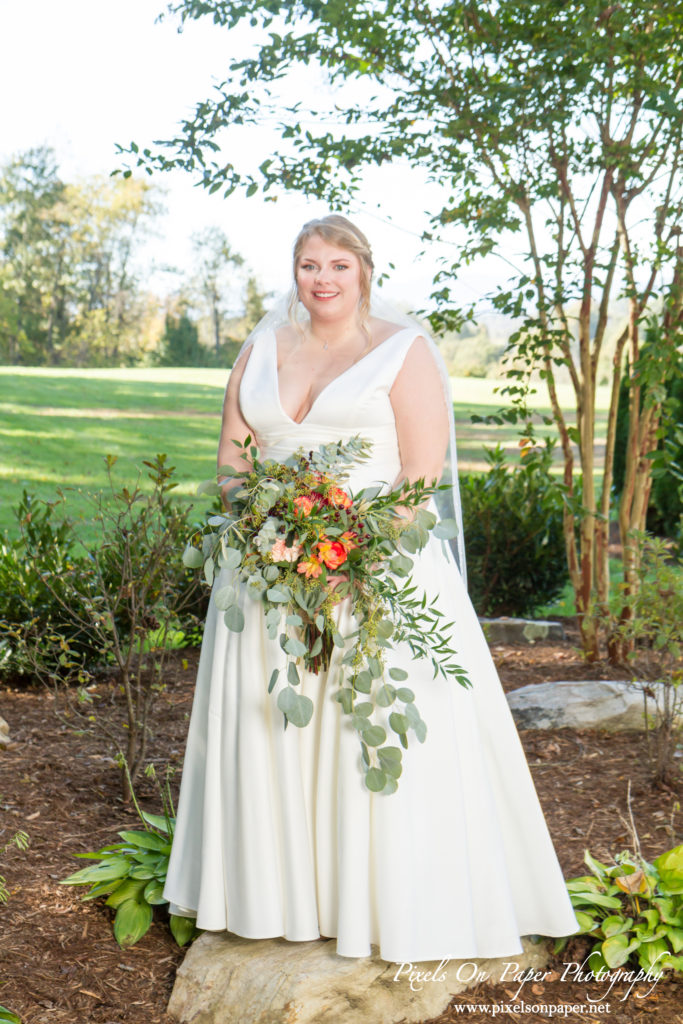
x: 335, y: 259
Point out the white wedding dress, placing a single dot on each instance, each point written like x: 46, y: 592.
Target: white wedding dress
x: 277, y: 834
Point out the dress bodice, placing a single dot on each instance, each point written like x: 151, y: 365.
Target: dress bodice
x: 357, y: 401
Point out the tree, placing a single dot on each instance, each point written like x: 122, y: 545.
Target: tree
x: 216, y: 263
x: 553, y: 121
x: 69, y: 288
x: 32, y: 242
x: 180, y: 342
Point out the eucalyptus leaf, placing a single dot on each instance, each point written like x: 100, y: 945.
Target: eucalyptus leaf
x: 234, y: 618
x: 232, y: 557
x: 273, y: 679
x: 297, y: 708
x: 293, y: 674
x: 192, y: 557
x: 398, y: 673
x: 375, y: 780
x: 224, y: 597
x: 445, y: 529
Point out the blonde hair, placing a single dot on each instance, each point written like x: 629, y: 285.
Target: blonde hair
x: 337, y: 230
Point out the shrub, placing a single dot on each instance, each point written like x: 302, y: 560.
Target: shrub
x: 633, y: 910
x: 121, y: 602
x: 513, y: 534
x: 650, y: 629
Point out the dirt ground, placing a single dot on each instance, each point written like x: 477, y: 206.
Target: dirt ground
x: 60, y: 964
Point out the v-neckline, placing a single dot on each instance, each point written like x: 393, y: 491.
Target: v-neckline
x: 330, y: 383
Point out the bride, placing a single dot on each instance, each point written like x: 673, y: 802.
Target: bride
x: 276, y: 833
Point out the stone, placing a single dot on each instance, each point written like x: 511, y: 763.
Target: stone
x: 225, y: 978
x: 4, y: 732
x: 589, y: 704
x: 518, y: 631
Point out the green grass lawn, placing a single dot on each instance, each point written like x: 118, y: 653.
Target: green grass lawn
x: 56, y: 426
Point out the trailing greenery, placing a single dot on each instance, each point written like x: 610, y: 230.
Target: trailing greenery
x: 633, y: 910
x: 132, y: 874
x: 513, y: 530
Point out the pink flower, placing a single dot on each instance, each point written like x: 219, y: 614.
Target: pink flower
x: 281, y: 553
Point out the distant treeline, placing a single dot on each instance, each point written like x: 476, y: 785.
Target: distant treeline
x: 74, y: 291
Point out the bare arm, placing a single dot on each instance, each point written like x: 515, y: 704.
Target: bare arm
x: 417, y: 398
x: 233, y: 424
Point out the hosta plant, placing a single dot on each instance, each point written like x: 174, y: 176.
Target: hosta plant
x: 132, y: 874
x: 633, y: 910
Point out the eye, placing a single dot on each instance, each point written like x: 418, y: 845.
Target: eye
x: 306, y: 266
x: 342, y: 266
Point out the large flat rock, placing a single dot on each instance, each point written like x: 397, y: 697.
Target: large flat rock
x: 226, y: 979
x: 590, y: 704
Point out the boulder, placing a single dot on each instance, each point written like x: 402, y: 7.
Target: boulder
x: 590, y: 704
x: 4, y: 732
x: 519, y: 631
x: 271, y: 981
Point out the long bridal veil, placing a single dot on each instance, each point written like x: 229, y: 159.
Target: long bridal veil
x: 448, y: 499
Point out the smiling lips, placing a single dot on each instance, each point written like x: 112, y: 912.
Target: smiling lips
x: 325, y: 295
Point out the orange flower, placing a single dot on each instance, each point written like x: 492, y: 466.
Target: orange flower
x: 304, y: 504
x: 332, y: 553
x: 310, y: 567
x: 339, y: 497
x: 347, y: 539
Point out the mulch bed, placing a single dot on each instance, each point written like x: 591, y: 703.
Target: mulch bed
x: 59, y: 962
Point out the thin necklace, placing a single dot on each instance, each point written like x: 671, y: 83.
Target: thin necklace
x: 324, y: 344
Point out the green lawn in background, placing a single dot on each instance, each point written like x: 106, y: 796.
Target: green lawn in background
x: 56, y: 426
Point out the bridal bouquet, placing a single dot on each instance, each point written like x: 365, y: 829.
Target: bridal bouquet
x: 296, y: 541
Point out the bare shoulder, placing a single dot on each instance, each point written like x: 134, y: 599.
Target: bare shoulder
x: 381, y: 329
x: 419, y: 370
x: 238, y: 369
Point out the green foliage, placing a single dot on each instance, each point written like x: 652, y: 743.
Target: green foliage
x: 180, y: 343
x: 633, y: 910
x: 665, y: 510
x: 648, y: 623
x: 7, y: 1017
x: 512, y: 520
x: 121, y: 600
x: 38, y: 637
x: 68, y: 293
x: 132, y: 875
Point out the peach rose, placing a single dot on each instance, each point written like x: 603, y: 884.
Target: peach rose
x: 332, y: 553
x: 304, y: 504
x: 339, y: 497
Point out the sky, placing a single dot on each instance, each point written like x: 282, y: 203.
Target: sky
x: 82, y: 75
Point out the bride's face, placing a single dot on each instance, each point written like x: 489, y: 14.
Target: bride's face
x: 328, y: 280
